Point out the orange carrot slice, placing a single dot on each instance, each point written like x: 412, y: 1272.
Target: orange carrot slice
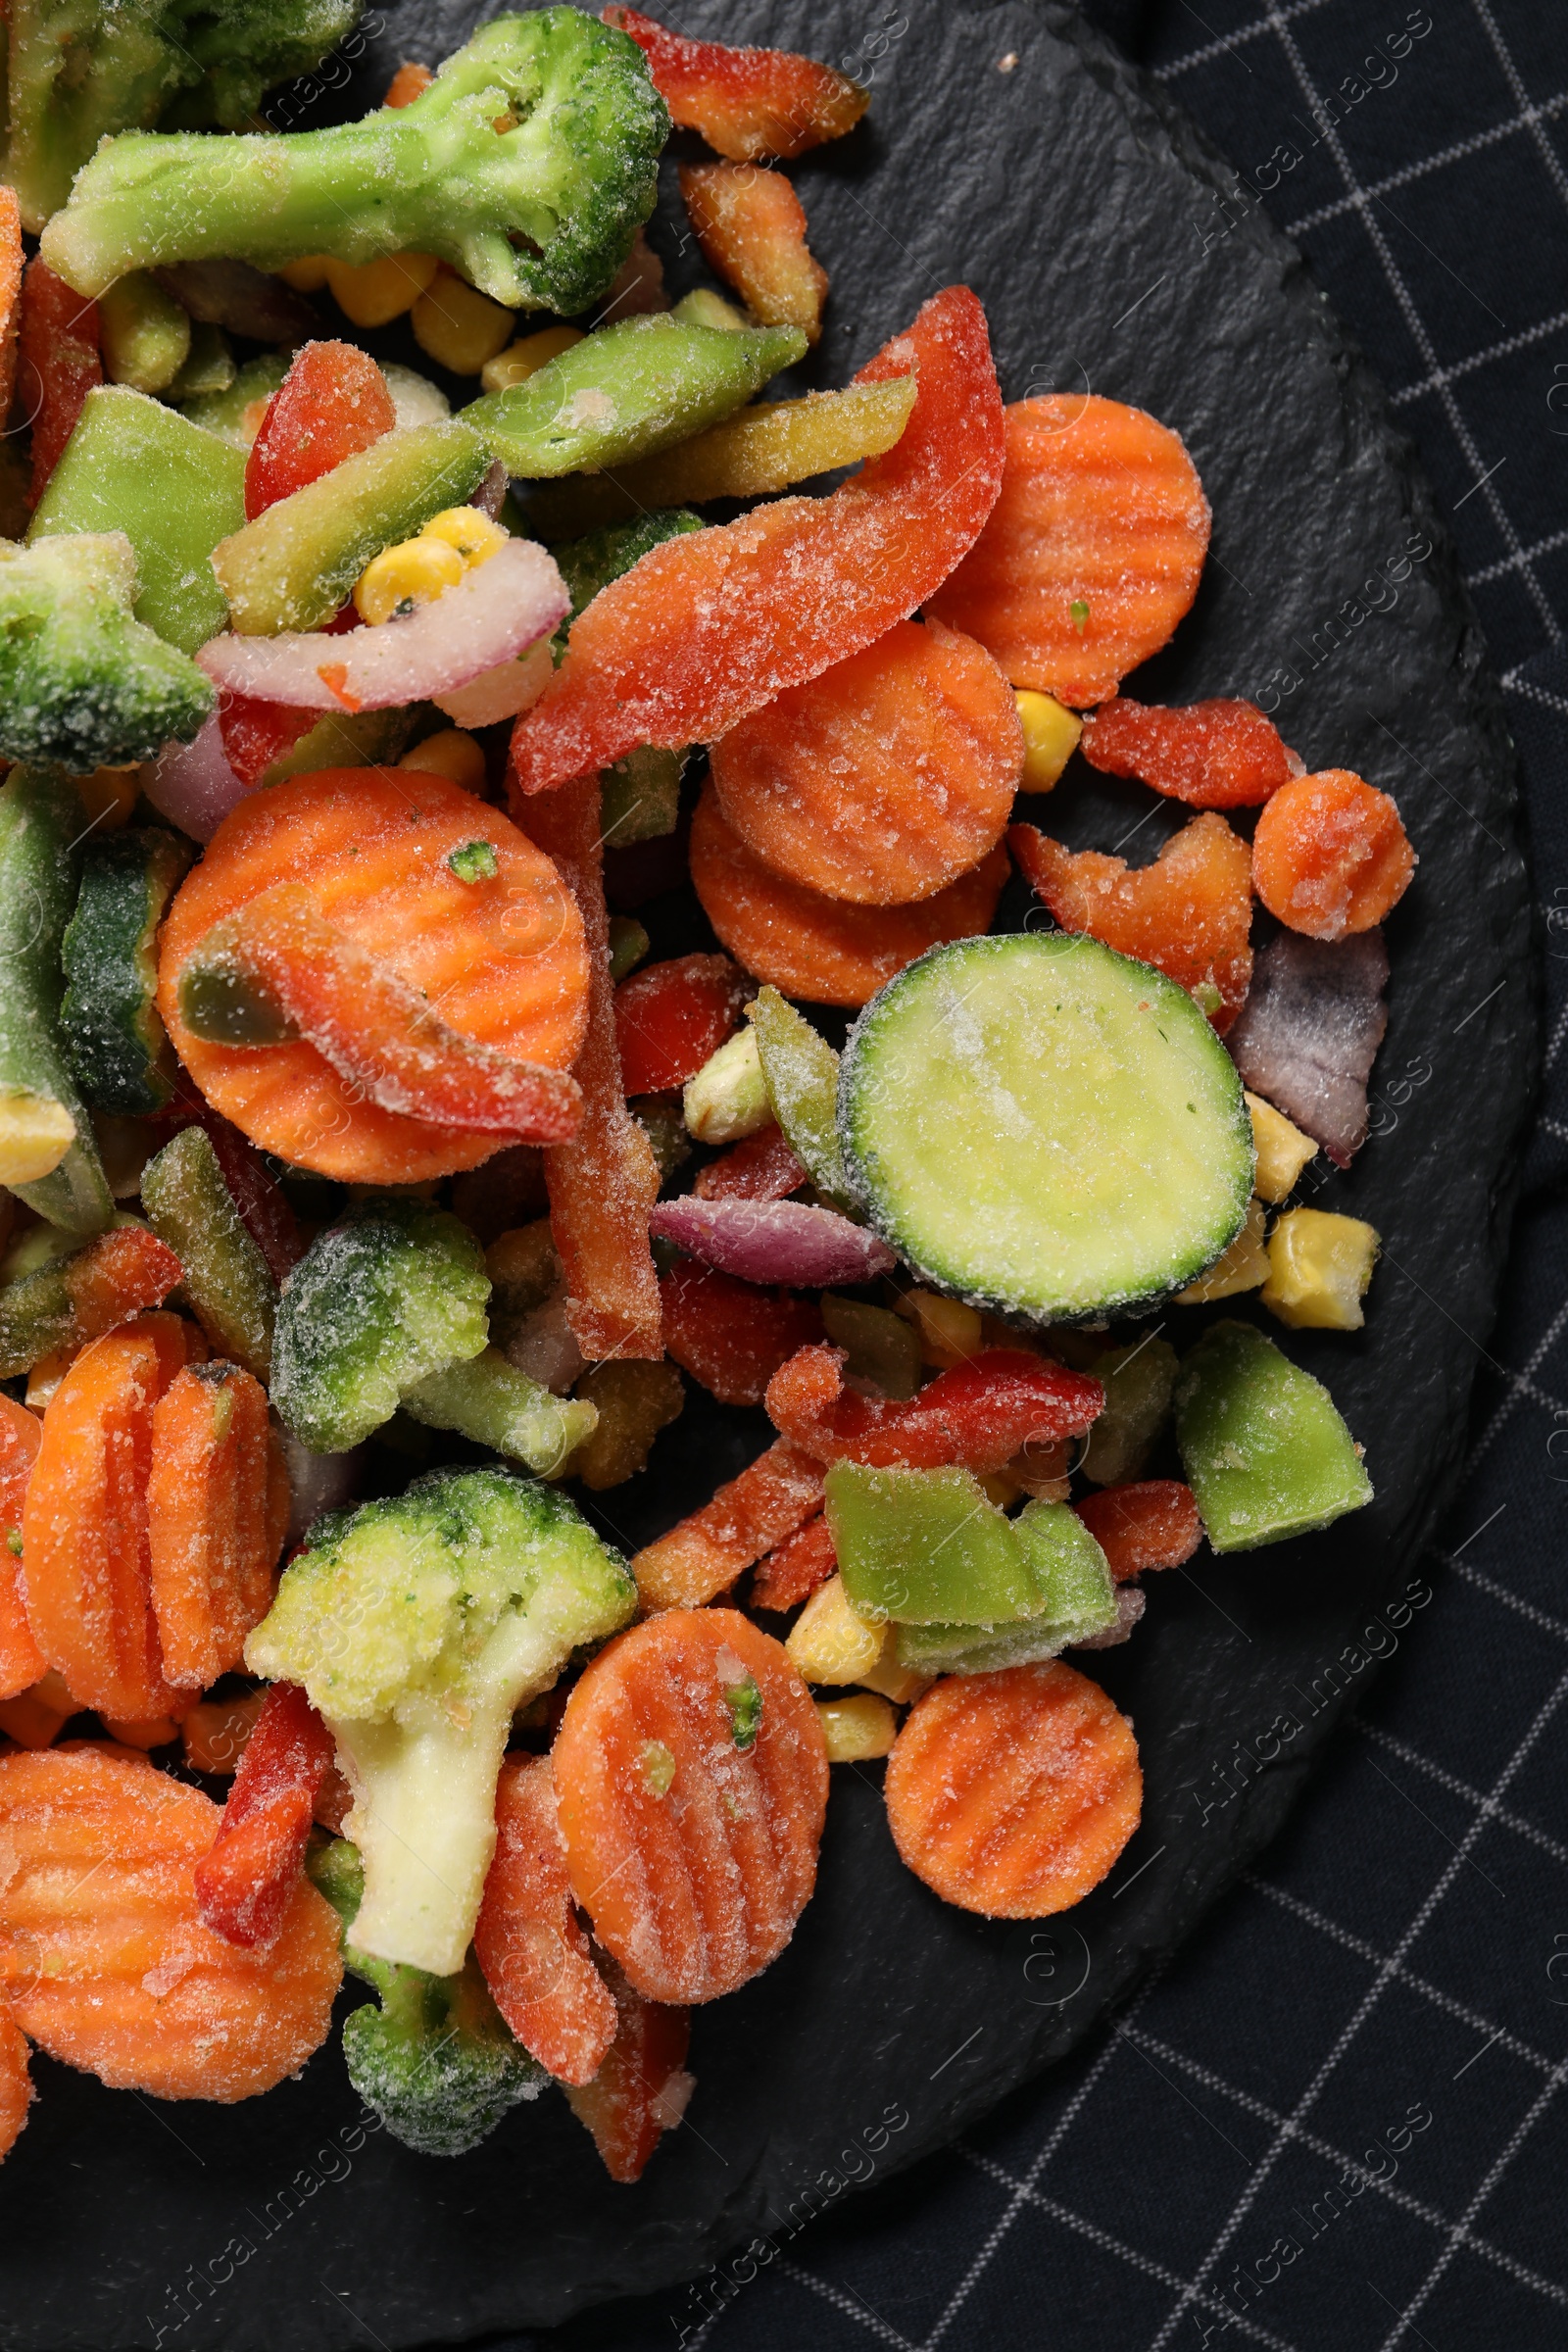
x: 22, y: 1662
x: 1330, y: 856
x: 822, y: 949
x: 1217, y: 755
x: 791, y: 1573
x: 884, y: 779
x: 528, y: 1942
x: 604, y: 1183
x: 15, y: 2082
x: 246, y: 1881
x: 692, y: 1783
x: 1013, y: 1793
x: 103, y: 1957
x: 1190, y: 914
x: 209, y: 1531
x: 378, y: 1032
x: 747, y: 103
x: 1093, y: 553
x: 1152, y: 1524
x: 10, y: 297
x: 409, y: 81
x: 85, y: 1560
x: 747, y: 1516
x: 642, y: 2089
x: 732, y: 1335
x: 36, y: 1717
x: 751, y: 228
x: 709, y: 627
x: 501, y: 961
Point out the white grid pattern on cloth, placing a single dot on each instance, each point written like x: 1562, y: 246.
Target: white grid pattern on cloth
x: 1291, y: 2127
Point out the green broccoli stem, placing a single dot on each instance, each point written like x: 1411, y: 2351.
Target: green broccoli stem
x: 530, y: 165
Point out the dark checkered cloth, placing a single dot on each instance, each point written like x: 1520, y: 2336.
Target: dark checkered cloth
x: 1388, y: 1989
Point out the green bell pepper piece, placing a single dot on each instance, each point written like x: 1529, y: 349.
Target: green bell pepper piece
x: 209, y: 365
x: 1264, y: 1448
x: 222, y: 411
x: 1079, y: 1598
x: 928, y: 1547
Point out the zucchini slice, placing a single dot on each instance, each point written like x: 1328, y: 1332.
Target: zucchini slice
x: 1047, y: 1128
x: 113, y: 1037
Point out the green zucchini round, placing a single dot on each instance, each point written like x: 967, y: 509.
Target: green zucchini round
x: 1044, y: 1127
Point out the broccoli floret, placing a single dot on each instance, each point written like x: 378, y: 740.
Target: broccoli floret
x: 82, y: 684
x: 530, y: 165
x: 437, y: 2060
x: 418, y: 1623
x: 82, y: 70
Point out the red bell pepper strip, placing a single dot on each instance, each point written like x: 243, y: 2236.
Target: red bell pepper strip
x: 640, y: 2091
x: 979, y: 1414
x: 528, y: 1941
x: 791, y: 1573
x: 669, y: 1017
x: 709, y: 627
x: 730, y: 1335
x: 332, y: 403
x: 761, y: 1167
x: 603, y: 1184
x: 255, y: 734
x: 745, y: 103
x: 1154, y: 1524
x: 60, y: 364
x: 747, y: 1516
x: 245, y: 1881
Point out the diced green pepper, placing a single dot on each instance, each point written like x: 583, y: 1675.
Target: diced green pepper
x: 802, y: 1073
x: 639, y: 798
x: 344, y: 739
x: 112, y: 1036
x: 228, y: 1280
x: 927, y: 1547
x: 629, y: 943
x: 137, y: 466
x: 392, y: 1293
x: 627, y: 390
x: 224, y: 412
x: 488, y: 1401
x: 1139, y: 1382
x: 294, y: 565
x: 146, y: 334
x: 1078, y: 1598
x: 1264, y: 1448
x: 881, y: 1346
x: 209, y: 365
x: 41, y: 822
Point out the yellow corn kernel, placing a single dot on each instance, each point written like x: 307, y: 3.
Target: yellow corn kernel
x: 458, y: 326
x: 856, y: 1729
x: 949, y: 1331
x: 828, y: 1642
x: 374, y: 293
x: 1050, y: 735
x: 703, y: 307
x: 475, y: 536
x: 450, y: 754
x: 1318, y: 1269
x: 109, y: 796
x: 413, y: 572
x: 307, y: 276
x: 1244, y: 1264
x: 519, y: 360
x: 35, y: 1134
x: 1283, y: 1150
x: 902, y: 1684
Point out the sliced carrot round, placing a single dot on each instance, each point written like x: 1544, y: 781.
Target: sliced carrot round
x: 1330, y: 856
x: 22, y: 1662
x: 86, y: 1568
x: 209, y: 1528
x: 642, y: 2089
x: 1093, y: 552
x: 16, y: 2084
x: 534, y: 1954
x: 822, y: 949
x: 884, y: 779
x: 104, y: 1958
x: 502, y: 959
x: 1214, y: 755
x: 1013, y: 1793
x: 692, y: 1777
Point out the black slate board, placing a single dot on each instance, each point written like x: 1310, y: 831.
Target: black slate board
x: 1102, y: 235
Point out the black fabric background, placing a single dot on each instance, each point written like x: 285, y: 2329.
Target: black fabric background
x: 1361, y: 2056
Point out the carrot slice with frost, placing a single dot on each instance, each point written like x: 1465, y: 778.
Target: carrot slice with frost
x: 748, y: 1515
x: 85, y: 1560
x: 22, y: 1662
x: 245, y: 1881
x: 884, y: 779
x: 209, y: 1529
x: 604, y: 1183
x: 791, y: 1573
x: 1330, y: 856
x: 692, y: 1777
x: 16, y: 2082
x: 1093, y: 553
x: 534, y: 1954
x: 751, y: 225
x: 820, y: 949
x: 1215, y: 755
x: 1013, y: 1793
x: 1151, y: 1524
x: 642, y: 2089
x: 709, y: 627
x: 502, y: 961
x: 103, y: 1957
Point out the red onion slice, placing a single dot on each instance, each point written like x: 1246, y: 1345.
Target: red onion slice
x: 1307, y: 1036
x: 494, y: 614
x: 1130, y: 1606
x: 773, y: 1241
x: 192, y: 783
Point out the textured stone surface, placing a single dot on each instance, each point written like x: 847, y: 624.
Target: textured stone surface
x: 1091, y: 223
